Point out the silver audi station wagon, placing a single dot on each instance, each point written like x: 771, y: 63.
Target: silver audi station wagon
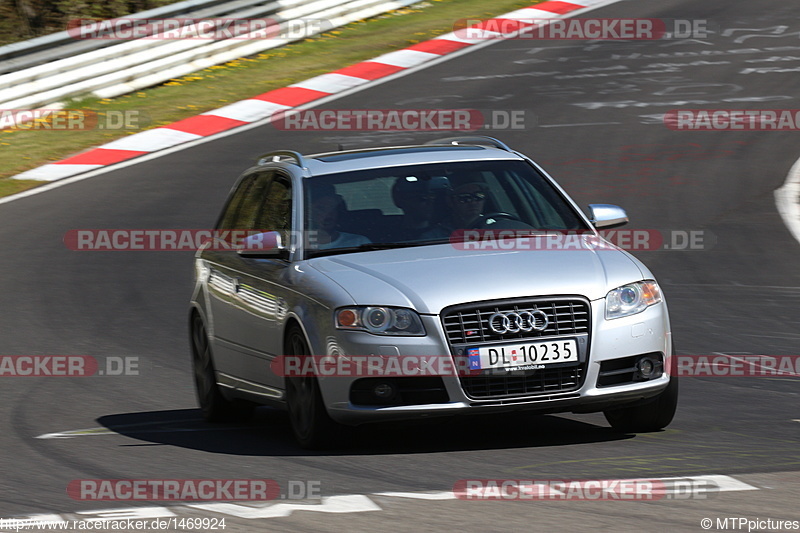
x: 403, y: 282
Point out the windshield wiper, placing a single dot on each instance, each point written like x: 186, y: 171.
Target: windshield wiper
x: 374, y: 246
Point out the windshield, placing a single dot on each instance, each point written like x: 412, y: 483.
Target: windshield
x: 429, y: 204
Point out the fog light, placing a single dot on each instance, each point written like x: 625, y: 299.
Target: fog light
x: 646, y: 368
x: 383, y: 391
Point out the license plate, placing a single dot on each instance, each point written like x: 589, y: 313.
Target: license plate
x: 526, y: 356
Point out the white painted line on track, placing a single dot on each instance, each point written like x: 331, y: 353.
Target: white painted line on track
x: 583, y: 124
x: 140, y: 428
x: 124, y: 513
x: 346, y: 503
x: 444, y: 495
x: 353, y: 503
x: 722, y: 483
x: 77, y: 433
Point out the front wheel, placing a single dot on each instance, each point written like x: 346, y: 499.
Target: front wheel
x: 313, y: 428
x: 648, y: 415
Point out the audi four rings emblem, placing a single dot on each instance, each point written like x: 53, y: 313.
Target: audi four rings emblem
x: 526, y: 321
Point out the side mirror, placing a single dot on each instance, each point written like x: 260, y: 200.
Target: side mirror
x: 607, y: 215
x: 268, y: 245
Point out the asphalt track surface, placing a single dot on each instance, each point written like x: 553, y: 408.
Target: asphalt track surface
x: 597, y: 130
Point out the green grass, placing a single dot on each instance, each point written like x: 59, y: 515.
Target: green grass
x: 9, y: 187
x: 243, y: 78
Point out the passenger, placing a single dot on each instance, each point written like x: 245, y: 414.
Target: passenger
x: 324, y: 219
x: 419, y: 198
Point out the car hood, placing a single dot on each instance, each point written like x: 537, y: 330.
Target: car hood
x: 430, y: 278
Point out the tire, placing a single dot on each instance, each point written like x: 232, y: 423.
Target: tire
x: 313, y: 428
x: 652, y: 414
x: 214, y: 406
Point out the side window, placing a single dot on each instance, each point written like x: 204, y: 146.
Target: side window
x: 244, y: 208
x: 275, y: 213
x: 228, y: 219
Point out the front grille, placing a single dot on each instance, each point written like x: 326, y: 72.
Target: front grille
x: 545, y: 381
x: 470, y: 324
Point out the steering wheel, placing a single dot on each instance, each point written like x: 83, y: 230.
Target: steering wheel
x: 482, y: 222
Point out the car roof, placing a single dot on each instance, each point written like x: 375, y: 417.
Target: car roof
x: 335, y: 162
x: 349, y: 160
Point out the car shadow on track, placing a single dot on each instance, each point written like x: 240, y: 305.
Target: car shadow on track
x: 269, y: 434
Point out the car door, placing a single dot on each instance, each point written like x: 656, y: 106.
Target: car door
x: 224, y: 276
x: 258, y: 291
x: 264, y: 288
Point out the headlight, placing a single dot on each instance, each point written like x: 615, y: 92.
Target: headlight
x: 380, y: 320
x: 631, y: 299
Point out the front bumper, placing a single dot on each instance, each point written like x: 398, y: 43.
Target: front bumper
x: 646, y: 332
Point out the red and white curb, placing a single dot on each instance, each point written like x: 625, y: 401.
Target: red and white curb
x: 261, y: 107
x: 348, y: 503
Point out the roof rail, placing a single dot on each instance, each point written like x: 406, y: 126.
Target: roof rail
x: 474, y: 139
x: 282, y: 155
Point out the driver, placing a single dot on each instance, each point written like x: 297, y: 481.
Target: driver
x: 465, y: 206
